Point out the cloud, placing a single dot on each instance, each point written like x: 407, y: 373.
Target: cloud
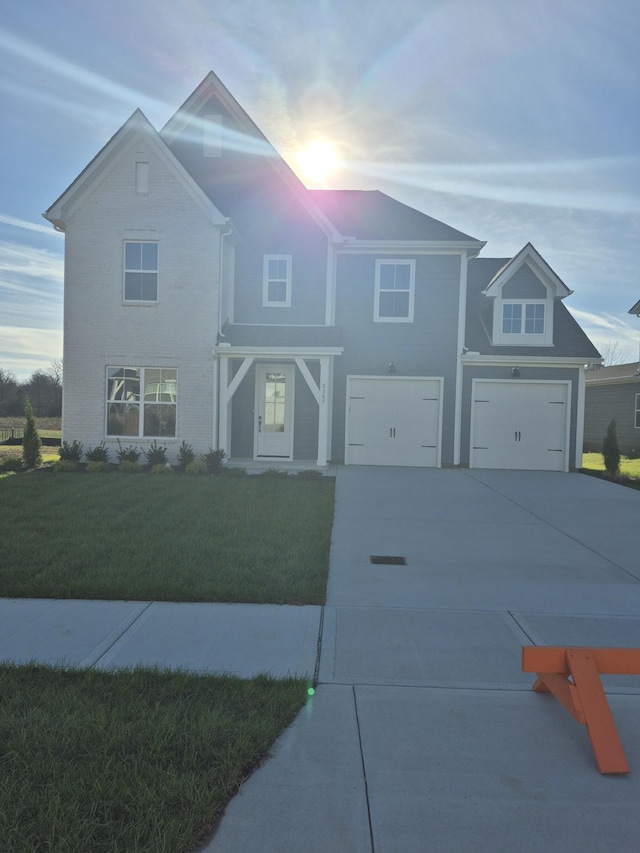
x: 14, y: 222
x: 24, y: 349
x: 18, y: 260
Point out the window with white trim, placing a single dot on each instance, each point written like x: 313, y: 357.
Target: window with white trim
x: 394, y: 292
x: 523, y: 318
x: 142, y: 402
x: 637, y: 413
x: 522, y: 322
x: 140, y: 271
x: 276, y: 281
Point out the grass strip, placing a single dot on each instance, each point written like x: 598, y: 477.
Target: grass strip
x: 253, y: 539
x: 139, y: 760
x: 595, y: 462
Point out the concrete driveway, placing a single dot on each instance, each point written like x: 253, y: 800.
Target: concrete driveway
x: 423, y: 734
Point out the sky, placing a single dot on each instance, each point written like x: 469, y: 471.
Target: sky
x: 510, y: 120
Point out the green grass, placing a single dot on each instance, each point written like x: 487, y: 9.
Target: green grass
x: 131, y: 761
x: 595, y: 462
x: 251, y: 539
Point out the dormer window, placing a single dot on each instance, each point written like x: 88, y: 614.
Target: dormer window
x: 523, y: 318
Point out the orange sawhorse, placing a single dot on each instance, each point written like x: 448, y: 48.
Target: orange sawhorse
x: 573, y: 676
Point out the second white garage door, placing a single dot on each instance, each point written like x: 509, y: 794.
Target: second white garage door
x: 520, y: 425
x: 393, y: 421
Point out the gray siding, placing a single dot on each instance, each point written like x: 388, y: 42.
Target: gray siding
x: 426, y: 347
x: 526, y: 373
x: 603, y: 402
x: 524, y: 284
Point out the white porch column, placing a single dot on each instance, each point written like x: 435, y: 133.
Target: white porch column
x: 324, y: 410
x: 225, y: 406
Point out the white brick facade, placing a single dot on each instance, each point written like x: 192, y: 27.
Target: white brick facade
x: 101, y: 330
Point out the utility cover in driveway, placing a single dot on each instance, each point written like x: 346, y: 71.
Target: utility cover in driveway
x: 520, y: 425
x: 393, y: 420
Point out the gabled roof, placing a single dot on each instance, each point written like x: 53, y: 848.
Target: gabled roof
x: 616, y: 373
x: 63, y: 206
x: 529, y: 255
x: 251, y: 139
x: 635, y: 309
x: 373, y: 215
x: 570, y: 341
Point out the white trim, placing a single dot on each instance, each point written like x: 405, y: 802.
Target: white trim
x: 226, y: 350
x: 580, y: 419
x: 462, y: 324
x: 126, y: 301
x: 351, y: 245
x: 395, y: 262
x: 524, y: 339
x: 266, y: 302
x: 471, y: 359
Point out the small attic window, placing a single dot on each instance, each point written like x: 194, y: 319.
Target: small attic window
x: 212, y: 136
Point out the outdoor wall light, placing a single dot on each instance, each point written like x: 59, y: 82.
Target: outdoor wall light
x: 391, y: 367
x: 515, y: 371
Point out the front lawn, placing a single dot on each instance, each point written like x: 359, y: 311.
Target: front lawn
x: 128, y: 761
x: 595, y: 462
x: 252, y: 539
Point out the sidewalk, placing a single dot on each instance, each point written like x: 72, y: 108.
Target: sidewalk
x: 423, y: 733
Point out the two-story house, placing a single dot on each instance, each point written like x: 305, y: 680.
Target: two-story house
x: 210, y: 297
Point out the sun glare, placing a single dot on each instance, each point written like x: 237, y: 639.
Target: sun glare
x: 317, y: 161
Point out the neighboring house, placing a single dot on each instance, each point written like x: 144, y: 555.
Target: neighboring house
x: 211, y: 298
x: 613, y: 392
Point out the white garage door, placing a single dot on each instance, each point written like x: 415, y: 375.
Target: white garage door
x: 393, y: 421
x: 520, y: 425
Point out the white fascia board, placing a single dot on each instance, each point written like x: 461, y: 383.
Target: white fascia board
x: 276, y: 352
x: 621, y: 380
x: 98, y: 168
x: 471, y: 360
x: 528, y: 255
x: 414, y: 247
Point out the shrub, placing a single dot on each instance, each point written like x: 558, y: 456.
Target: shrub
x: 13, y: 463
x: 98, y: 454
x: 30, y: 439
x: 186, y: 455
x: 275, y: 473
x: 127, y: 454
x: 196, y: 468
x: 65, y: 466
x: 234, y: 472
x: 156, y: 454
x: 611, y: 450
x: 213, y: 460
x: 162, y: 469
x: 129, y: 467
x: 97, y: 466
x: 309, y: 474
x: 71, y: 452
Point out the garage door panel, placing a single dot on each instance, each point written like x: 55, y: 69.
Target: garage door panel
x: 521, y: 425
x: 394, y: 421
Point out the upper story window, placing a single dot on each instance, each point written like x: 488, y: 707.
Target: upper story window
x: 395, y: 283
x: 637, y: 418
x: 523, y: 318
x: 522, y: 322
x: 276, y: 282
x: 140, y: 271
x: 142, y: 401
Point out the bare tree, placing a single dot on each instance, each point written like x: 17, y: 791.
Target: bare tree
x: 616, y: 352
x: 9, y: 392
x: 55, y: 371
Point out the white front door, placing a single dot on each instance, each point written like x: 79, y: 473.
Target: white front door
x: 274, y: 409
